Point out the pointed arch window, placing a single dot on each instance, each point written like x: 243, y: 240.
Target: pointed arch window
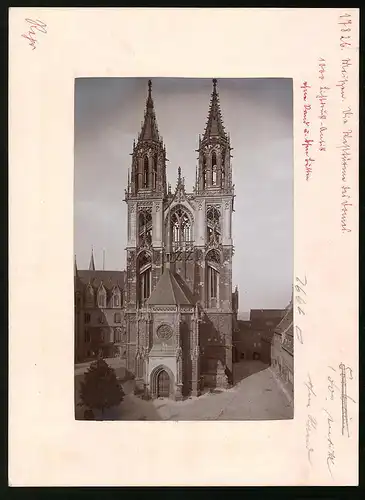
x: 204, y: 172
x: 144, y: 277
x: 214, y: 169
x: 154, y: 171
x: 102, y: 298
x: 117, y: 302
x: 181, y: 225
x: 89, y: 299
x: 213, y: 266
x: 213, y: 225
x: 223, y: 165
x: 145, y: 227
x: 213, y: 282
x: 145, y: 172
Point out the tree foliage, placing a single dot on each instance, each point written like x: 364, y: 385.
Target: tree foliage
x: 100, y: 388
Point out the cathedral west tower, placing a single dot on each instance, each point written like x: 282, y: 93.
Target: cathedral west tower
x: 178, y: 290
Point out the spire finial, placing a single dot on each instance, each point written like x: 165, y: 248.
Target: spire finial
x: 179, y: 174
x: 149, y: 88
x: 92, y: 262
x: 214, y: 125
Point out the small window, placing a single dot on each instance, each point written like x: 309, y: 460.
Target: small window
x: 117, y: 318
x: 87, y: 318
x: 116, y: 300
x: 87, y: 336
x: 102, y: 300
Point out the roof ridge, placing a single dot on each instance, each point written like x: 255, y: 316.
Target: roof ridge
x: 171, y: 284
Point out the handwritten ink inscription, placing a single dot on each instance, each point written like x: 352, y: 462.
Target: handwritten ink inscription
x: 31, y: 35
x: 337, y: 398
x: 308, y: 141
x: 322, y: 97
x: 330, y: 446
x: 345, y: 147
x: 310, y: 427
x: 300, y: 288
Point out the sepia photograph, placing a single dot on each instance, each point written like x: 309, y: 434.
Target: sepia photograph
x: 183, y: 243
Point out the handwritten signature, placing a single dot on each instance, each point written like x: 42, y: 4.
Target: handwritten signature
x: 311, y: 425
x: 344, y: 371
x: 311, y: 392
x: 330, y: 446
x: 35, y: 25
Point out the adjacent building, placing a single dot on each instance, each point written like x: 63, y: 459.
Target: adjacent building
x: 252, y: 338
x: 282, y: 350
x: 99, y: 314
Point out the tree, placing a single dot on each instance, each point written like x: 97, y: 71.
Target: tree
x: 100, y: 388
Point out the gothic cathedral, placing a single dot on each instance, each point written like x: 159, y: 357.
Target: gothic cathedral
x: 179, y: 307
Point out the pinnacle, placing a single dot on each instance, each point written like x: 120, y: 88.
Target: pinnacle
x: 149, y: 129
x: 214, y: 125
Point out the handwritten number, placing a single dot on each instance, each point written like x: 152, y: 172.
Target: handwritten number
x: 301, y: 282
x: 300, y: 300
x: 300, y: 311
x: 298, y: 332
x: 299, y: 289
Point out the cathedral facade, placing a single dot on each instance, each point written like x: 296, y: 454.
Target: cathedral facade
x: 177, y: 304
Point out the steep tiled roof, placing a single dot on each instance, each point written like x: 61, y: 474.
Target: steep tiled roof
x: 286, y: 324
x: 169, y: 291
x: 263, y: 314
x: 95, y: 278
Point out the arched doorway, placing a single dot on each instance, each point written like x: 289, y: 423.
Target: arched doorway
x: 163, y: 384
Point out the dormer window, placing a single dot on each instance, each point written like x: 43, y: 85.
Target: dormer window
x: 102, y: 298
x: 89, y: 299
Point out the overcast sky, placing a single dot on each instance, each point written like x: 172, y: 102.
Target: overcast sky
x: 258, y: 115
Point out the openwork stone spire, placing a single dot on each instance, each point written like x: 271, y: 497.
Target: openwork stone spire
x: 149, y: 130
x: 214, y: 126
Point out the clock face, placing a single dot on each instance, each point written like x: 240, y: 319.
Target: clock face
x: 164, y: 332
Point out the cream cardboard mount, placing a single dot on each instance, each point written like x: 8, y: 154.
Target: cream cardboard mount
x: 318, y: 49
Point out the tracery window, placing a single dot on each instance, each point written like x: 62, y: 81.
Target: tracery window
x: 181, y: 225
x: 144, y: 277
x: 213, y: 224
x: 223, y: 165
x: 213, y: 263
x: 154, y: 171
x: 145, y: 227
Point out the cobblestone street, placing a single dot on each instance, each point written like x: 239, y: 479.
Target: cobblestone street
x: 256, y: 396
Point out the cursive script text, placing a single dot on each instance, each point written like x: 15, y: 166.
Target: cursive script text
x: 307, y: 142
x: 31, y: 35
